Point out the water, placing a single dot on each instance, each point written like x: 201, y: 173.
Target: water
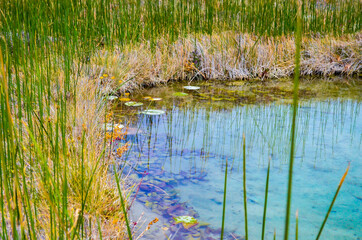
x: 178, y: 162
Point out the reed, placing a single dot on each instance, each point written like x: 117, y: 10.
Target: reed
x: 332, y: 203
x: 265, y: 200
x: 296, y: 225
x: 298, y: 39
x: 224, y: 202
x: 244, y: 189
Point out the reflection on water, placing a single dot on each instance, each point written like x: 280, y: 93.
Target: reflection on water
x: 179, y: 159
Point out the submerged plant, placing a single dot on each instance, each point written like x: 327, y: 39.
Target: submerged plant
x: 186, y: 221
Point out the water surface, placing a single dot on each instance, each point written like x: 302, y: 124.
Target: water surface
x: 177, y: 161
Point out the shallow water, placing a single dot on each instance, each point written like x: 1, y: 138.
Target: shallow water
x: 178, y: 162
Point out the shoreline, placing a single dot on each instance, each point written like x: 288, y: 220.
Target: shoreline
x: 227, y: 56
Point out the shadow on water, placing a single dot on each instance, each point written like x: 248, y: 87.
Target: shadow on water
x: 177, y: 161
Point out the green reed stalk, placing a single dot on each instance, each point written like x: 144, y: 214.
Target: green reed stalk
x: 274, y: 235
x: 334, y: 199
x: 298, y: 40
x: 265, y: 200
x: 122, y: 202
x: 296, y: 225
x: 224, y: 201
x: 244, y: 189
x: 99, y: 229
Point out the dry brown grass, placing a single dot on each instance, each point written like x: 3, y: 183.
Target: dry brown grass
x: 227, y: 56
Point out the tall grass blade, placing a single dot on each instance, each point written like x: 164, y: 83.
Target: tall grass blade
x: 265, y: 200
x: 122, y: 203
x: 224, y: 202
x: 244, y: 189
x: 334, y: 199
x: 275, y: 235
x: 296, y: 225
x: 298, y: 40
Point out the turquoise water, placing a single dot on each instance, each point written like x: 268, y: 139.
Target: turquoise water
x: 178, y: 162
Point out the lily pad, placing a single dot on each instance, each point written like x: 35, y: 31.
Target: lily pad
x: 191, y: 87
x: 180, y: 94
x: 133, y: 104
x: 186, y: 221
x: 111, y: 98
x: 109, y: 126
x: 155, y: 99
x: 153, y: 112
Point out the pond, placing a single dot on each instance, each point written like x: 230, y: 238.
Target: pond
x: 176, y: 160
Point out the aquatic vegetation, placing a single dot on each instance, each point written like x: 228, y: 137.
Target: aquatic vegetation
x: 180, y: 94
x: 155, y: 99
x: 191, y: 87
x: 111, y: 98
x: 133, y: 104
x: 153, y: 112
x: 186, y: 221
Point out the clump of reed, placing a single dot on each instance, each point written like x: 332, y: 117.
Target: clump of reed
x: 55, y: 181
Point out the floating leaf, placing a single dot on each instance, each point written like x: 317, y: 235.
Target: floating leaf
x: 191, y: 87
x: 124, y: 99
x: 109, y: 126
x: 153, y: 112
x: 111, y: 98
x: 180, y: 94
x: 133, y: 104
x: 155, y: 99
x: 186, y: 221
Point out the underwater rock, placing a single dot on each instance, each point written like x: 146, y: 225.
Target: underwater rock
x: 142, y: 199
x: 177, y: 210
x: 133, y: 131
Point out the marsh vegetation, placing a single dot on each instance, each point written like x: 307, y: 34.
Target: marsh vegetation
x: 65, y: 65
